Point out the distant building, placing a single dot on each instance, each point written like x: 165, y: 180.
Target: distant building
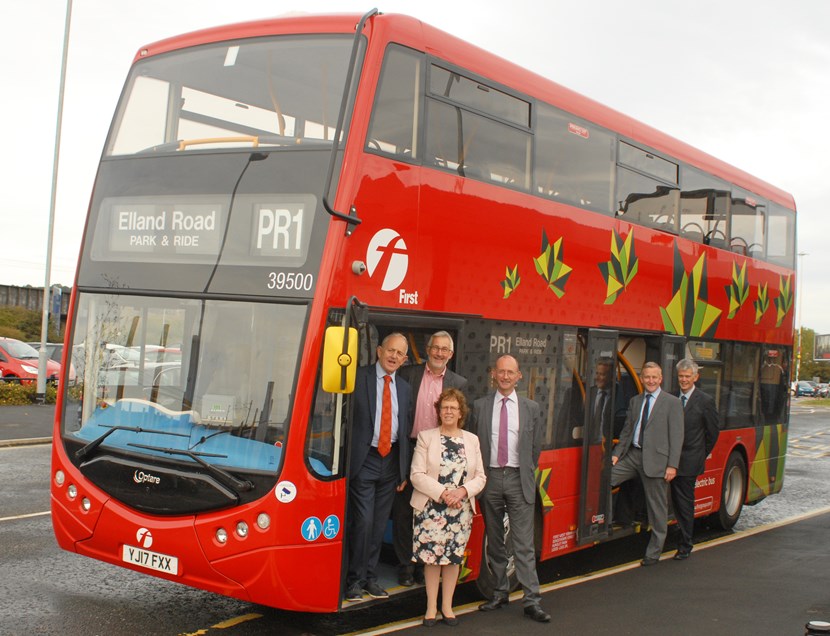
x: 32, y: 298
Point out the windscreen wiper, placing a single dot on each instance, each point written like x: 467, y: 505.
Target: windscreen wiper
x: 91, y: 446
x: 224, y: 476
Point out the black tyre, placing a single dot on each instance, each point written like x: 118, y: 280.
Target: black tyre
x: 733, y: 492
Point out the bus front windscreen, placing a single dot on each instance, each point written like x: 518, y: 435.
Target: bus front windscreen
x: 264, y: 92
x: 196, y: 388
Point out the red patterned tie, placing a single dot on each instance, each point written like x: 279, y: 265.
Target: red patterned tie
x: 385, y: 437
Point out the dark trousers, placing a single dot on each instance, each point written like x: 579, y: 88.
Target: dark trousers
x: 371, y: 494
x: 402, y: 527
x: 683, y: 501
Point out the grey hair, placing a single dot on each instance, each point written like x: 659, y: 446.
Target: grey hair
x: 441, y: 334
x: 687, y: 364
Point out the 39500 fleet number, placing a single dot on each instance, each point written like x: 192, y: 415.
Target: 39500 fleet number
x: 296, y: 281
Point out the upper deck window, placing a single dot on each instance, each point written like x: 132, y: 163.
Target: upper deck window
x: 478, y: 96
x: 477, y: 131
x: 647, y: 191
x: 394, y: 128
x: 574, y: 160
x: 704, y: 208
x: 781, y: 236
x: 748, y: 216
x: 263, y: 93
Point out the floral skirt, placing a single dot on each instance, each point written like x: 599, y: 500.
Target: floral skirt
x: 440, y: 533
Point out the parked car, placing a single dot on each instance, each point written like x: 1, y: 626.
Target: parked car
x: 823, y: 389
x: 19, y: 362
x: 55, y: 351
x: 805, y: 388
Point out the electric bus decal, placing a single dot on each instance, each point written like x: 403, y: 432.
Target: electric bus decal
x: 762, y: 303
x: 620, y: 270
x: 511, y: 281
x: 784, y: 302
x: 688, y: 313
x: 738, y: 291
x: 543, y: 479
x: 550, y: 266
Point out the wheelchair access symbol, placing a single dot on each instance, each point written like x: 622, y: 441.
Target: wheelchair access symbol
x: 331, y: 526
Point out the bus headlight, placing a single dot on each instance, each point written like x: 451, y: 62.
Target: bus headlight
x: 222, y: 536
x: 86, y: 504
x: 242, y: 529
x: 72, y: 491
x: 60, y: 477
x: 263, y: 521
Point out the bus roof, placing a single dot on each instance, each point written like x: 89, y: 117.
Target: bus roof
x: 421, y: 36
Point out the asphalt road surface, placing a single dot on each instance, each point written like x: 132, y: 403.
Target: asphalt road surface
x: 48, y: 591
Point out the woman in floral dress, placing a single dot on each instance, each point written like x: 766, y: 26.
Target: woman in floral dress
x: 447, y: 473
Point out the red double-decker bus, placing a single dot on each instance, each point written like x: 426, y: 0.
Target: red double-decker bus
x: 270, y: 187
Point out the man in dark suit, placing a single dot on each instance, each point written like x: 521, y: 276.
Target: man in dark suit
x: 427, y: 381
x: 649, y: 447
x: 510, y: 428
x: 379, y: 461
x: 701, y: 432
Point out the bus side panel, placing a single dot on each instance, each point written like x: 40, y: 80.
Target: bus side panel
x: 766, y: 469
x: 300, y: 576
x: 559, y: 473
x: 473, y: 556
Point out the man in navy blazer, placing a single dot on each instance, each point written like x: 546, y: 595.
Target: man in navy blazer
x: 649, y: 447
x: 510, y: 452
x: 427, y: 381
x: 700, y: 435
x: 375, y: 473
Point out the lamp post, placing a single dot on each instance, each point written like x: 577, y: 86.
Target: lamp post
x: 44, y: 326
x: 800, y: 273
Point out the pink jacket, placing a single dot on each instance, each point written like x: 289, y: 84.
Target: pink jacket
x: 426, y: 465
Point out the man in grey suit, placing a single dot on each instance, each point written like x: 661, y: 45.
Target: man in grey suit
x: 701, y: 433
x: 427, y: 382
x: 649, y: 446
x: 510, y: 429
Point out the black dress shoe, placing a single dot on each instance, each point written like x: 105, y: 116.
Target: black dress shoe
x: 418, y: 576
x: 405, y: 579
x: 537, y: 614
x: 680, y: 556
x: 648, y: 561
x: 430, y: 622
x: 452, y: 621
x: 494, y: 604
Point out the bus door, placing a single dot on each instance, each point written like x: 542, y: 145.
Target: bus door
x: 672, y: 351
x: 597, y: 442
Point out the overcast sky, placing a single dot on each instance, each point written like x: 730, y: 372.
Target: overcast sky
x: 747, y: 81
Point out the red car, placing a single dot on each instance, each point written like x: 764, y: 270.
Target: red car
x: 18, y: 361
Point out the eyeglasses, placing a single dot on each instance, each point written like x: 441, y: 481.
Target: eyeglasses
x: 444, y: 350
x: 450, y: 408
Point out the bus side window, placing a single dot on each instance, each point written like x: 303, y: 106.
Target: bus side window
x: 574, y: 160
x: 748, y: 215
x: 394, y: 127
x: 647, y: 189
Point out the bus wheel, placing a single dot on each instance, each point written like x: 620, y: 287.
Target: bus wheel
x: 733, y: 491
x: 486, y: 581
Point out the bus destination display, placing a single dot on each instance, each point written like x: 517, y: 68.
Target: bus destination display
x: 262, y: 229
